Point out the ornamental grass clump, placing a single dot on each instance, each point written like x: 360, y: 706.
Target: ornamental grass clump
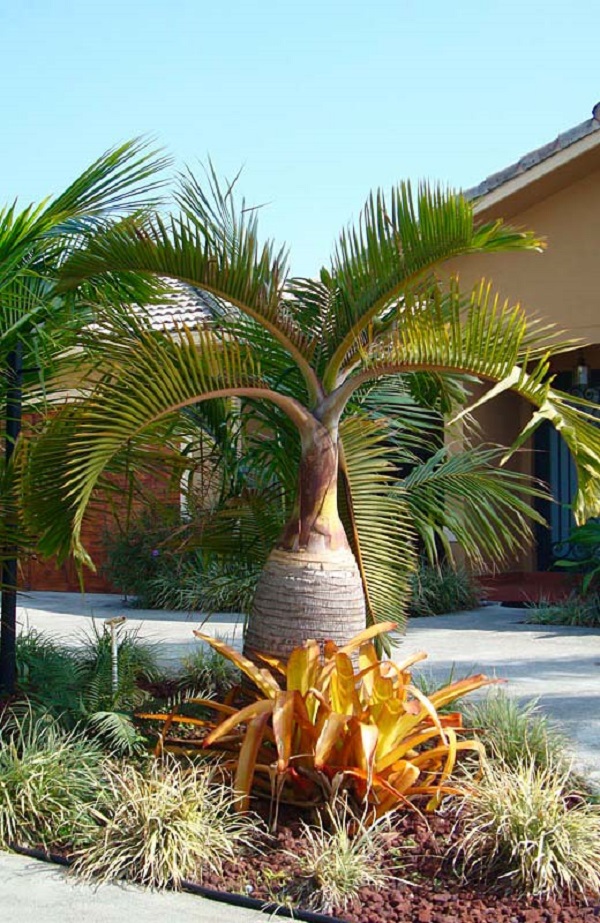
x: 328, y: 721
x: 173, y: 822
x: 338, y: 860
x: 512, y: 731
x: 522, y: 824
x: 577, y: 611
x: 51, y: 784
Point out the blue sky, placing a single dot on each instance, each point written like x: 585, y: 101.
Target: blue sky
x: 319, y: 101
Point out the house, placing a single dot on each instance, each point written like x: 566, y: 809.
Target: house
x: 555, y: 191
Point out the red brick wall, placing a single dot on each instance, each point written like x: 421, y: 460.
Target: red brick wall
x: 38, y: 573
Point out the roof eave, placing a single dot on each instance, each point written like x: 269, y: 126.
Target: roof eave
x: 534, y: 167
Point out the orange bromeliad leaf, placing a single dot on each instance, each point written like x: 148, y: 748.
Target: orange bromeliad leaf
x: 404, y: 776
x: 274, y: 663
x: 368, y: 662
x: 243, y: 716
x: 260, y: 677
x: 332, y: 733
x: 391, y: 758
x: 369, y: 736
x: 367, y: 724
x: 461, y: 687
x: 342, y: 690
x: 411, y: 660
x: 373, y: 631
x: 429, y: 708
x: 246, y: 763
x: 283, y: 727
x: 303, y: 667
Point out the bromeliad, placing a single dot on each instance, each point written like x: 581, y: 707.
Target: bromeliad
x: 338, y: 717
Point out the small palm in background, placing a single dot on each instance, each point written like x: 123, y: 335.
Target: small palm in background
x: 74, y: 685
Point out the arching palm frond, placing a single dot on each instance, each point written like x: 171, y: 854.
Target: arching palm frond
x: 35, y: 239
x: 495, y: 342
x: 213, y: 245
x: 487, y: 508
x: 376, y: 518
x: 398, y: 243
x: 144, y: 380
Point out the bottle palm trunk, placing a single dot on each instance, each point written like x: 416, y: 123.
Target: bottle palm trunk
x: 311, y: 585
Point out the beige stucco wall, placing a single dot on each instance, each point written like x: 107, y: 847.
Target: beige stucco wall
x: 562, y: 284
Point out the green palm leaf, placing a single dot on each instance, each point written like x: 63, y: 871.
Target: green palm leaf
x: 376, y: 518
x: 495, y: 342
x: 485, y: 506
x: 213, y: 245
x: 146, y: 379
x: 397, y: 244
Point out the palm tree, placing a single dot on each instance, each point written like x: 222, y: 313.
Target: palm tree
x: 309, y: 350
x: 38, y: 324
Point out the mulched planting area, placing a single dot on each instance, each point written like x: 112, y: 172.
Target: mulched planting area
x: 425, y: 888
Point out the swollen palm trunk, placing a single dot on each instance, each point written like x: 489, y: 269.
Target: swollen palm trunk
x: 304, y: 595
x: 311, y: 585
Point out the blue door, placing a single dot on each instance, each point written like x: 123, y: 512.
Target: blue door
x: 554, y: 465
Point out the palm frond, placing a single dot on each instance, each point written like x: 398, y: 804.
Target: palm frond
x: 121, y: 181
x: 213, y: 245
x: 495, y: 342
x: 398, y: 242
x: 376, y: 518
x: 145, y: 381
x: 486, y: 507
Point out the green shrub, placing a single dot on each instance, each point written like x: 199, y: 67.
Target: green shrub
x: 75, y: 685
x: 203, y: 583
x: 169, y: 824
x: 522, y: 824
x: 134, y: 557
x: 46, y: 673
x: 136, y: 659
x: 585, y: 546
x: 106, y: 712
x: 51, y: 784
x: 438, y: 590
x: 144, y: 564
x: 575, y: 610
x: 206, y: 670
x: 512, y: 732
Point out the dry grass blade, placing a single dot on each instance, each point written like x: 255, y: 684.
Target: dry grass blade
x: 337, y: 862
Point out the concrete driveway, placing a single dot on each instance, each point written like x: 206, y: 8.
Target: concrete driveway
x: 33, y: 891
x: 560, y: 665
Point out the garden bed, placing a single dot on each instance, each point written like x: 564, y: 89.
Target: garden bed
x: 424, y: 886
x: 512, y: 805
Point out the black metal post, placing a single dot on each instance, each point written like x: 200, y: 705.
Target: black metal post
x: 8, y: 618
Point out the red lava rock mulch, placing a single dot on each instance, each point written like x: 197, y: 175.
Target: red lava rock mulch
x: 425, y: 887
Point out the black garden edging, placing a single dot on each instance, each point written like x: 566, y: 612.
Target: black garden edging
x: 221, y: 897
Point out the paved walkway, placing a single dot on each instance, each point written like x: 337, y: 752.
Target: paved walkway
x: 560, y: 665
x: 32, y: 892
